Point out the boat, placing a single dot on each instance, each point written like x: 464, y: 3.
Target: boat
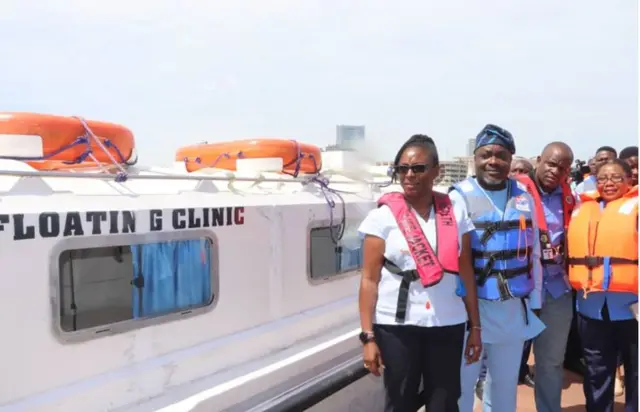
x: 137, y: 288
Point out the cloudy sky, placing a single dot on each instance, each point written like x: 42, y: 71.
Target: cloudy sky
x: 183, y: 71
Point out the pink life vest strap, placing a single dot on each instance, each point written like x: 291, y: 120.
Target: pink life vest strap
x: 430, y: 266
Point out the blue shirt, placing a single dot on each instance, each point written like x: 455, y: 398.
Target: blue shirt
x: 587, y: 185
x: 617, y: 303
x: 555, y: 280
x: 504, y: 321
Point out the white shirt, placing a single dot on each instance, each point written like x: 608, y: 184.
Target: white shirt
x: 437, y: 305
x: 587, y: 185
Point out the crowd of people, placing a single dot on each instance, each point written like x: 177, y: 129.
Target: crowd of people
x: 458, y: 288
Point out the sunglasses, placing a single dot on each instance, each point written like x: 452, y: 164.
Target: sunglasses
x: 415, y: 168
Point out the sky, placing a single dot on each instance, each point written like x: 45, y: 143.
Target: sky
x: 178, y: 72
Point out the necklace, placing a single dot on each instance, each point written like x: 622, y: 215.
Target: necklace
x: 424, y: 215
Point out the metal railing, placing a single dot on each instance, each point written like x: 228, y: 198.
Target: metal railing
x: 321, y: 387
x: 316, y: 389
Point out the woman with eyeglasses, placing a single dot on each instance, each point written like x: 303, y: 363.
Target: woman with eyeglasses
x: 416, y: 247
x: 603, y: 269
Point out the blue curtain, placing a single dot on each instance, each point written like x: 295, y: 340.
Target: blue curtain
x: 351, y: 255
x: 177, y: 275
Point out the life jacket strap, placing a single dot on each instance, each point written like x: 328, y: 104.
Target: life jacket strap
x: 592, y: 262
x: 502, y: 275
x: 408, y: 276
x: 526, y: 312
x: 500, y: 254
x: 490, y: 228
x: 492, y: 257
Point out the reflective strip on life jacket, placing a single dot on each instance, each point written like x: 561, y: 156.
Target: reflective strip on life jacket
x: 603, y: 244
x: 430, y: 265
x: 501, y: 243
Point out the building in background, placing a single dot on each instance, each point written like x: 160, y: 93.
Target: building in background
x: 471, y: 146
x: 451, y: 171
x: 349, y: 137
x: 454, y: 171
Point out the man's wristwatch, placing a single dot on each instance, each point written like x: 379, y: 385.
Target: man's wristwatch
x: 366, y: 337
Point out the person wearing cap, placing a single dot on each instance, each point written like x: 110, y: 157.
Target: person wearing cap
x: 519, y: 166
x: 506, y: 251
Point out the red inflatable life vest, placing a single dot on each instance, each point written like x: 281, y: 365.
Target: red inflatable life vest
x: 568, y: 204
x: 430, y: 265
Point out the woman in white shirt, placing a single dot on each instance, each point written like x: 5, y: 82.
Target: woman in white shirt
x: 413, y: 326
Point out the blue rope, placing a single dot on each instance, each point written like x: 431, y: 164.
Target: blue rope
x: 198, y: 160
x: 81, y: 140
x: 326, y: 190
x: 298, y: 161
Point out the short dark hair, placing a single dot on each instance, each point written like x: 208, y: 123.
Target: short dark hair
x: 419, y: 140
x: 624, y: 165
x: 628, y: 152
x: 607, y: 149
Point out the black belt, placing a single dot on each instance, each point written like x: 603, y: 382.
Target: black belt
x: 526, y: 314
x: 593, y: 262
x: 502, y: 276
x: 408, y: 276
x: 483, y: 273
x: 492, y: 227
x: 500, y: 254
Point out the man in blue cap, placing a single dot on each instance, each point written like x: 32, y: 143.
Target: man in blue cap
x: 506, y: 254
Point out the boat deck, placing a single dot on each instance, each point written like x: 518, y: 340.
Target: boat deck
x: 572, y: 396
x: 367, y: 395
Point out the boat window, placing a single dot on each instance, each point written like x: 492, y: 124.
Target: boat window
x: 106, y: 285
x: 330, y: 259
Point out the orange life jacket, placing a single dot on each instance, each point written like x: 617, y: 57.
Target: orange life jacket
x: 568, y: 204
x: 603, y: 244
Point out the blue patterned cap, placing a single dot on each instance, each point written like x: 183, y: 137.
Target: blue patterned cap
x: 492, y: 134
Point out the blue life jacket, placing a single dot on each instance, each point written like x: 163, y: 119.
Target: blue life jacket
x: 501, y: 246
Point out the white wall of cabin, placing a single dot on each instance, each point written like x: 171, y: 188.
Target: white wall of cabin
x: 262, y: 278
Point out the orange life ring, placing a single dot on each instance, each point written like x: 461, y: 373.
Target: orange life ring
x: 305, y: 158
x: 61, y: 165
x: 57, y: 132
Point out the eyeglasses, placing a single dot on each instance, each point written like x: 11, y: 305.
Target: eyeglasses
x: 415, y: 168
x: 614, y: 179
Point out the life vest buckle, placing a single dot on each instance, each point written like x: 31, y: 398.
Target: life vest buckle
x: 592, y: 262
x: 489, y: 231
x: 503, y: 286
